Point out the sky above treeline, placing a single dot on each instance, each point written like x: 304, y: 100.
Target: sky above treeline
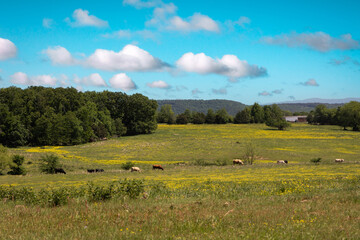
x: 247, y: 51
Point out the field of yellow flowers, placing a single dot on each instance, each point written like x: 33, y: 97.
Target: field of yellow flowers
x: 188, y: 200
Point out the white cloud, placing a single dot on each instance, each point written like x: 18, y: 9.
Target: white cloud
x: 82, y: 19
x: 123, y: 82
x: 277, y: 91
x: 165, y: 18
x: 7, y: 49
x: 158, y: 84
x: 47, y: 23
x: 344, y: 60
x: 311, y: 82
x: 40, y: 80
x: 242, y: 21
x: 197, y: 22
x: 221, y: 91
x: 93, y: 80
x: 130, y: 58
x: 60, y: 56
x: 142, y: 4
x: 319, y: 41
x: 265, y: 94
x: 228, y: 65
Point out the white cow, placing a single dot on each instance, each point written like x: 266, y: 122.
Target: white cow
x: 135, y: 169
x: 282, y: 162
x: 238, y: 161
x: 339, y: 160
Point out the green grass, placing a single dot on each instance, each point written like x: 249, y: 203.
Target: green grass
x: 300, y: 200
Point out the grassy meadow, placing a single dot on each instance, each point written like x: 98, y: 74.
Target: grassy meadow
x: 188, y: 200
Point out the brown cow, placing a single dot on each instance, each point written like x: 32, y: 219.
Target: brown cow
x: 238, y: 161
x: 158, y: 167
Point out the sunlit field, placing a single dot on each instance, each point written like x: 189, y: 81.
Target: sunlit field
x: 299, y: 200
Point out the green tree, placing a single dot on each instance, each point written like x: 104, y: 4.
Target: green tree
x: 243, y: 116
x: 198, y: 118
x: 222, y: 116
x: 16, y: 166
x: 257, y: 113
x: 210, y: 117
x: 49, y: 163
x: 275, y: 117
x: 349, y: 115
x: 4, y: 159
x: 166, y: 115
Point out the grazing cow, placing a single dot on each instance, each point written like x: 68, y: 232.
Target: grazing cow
x: 135, y: 169
x: 158, y: 167
x: 282, y: 162
x: 90, y: 170
x: 59, y: 170
x: 238, y: 161
x: 99, y: 170
x: 339, y: 160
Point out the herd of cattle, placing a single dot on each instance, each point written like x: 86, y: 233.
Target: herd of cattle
x: 137, y: 169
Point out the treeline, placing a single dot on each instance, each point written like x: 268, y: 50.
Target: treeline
x: 64, y: 116
x: 271, y: 115
x: 347, y: 115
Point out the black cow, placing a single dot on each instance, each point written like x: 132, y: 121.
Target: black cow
x: 99, y: 170
x: 59, y: 170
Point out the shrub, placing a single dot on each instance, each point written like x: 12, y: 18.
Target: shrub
x: 315, y: 160
x: 132, y: 188
x: 49, y: 163
x: 221, y: 162
x: 4, y: 159
x: 16, y: 165
x: 127, y: 165
x: 249, y: 154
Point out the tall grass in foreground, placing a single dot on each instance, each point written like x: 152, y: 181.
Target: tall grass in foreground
x: 212, y: 210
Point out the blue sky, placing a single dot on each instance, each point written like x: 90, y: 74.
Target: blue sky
x: 247, y: 51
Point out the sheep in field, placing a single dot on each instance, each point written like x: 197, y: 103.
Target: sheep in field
x: 158, y: 167
x: 238, y: 161
x: 282, y: 162
x: 135, y: 169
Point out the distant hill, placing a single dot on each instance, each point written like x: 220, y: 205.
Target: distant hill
x: 305, y: 107
x: 232, y: 107
x: 330, y: 101
x: 179, y: 106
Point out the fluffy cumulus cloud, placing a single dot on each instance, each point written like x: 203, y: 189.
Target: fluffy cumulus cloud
x: 229, y: 65
x: 197, y: 22
x: 311, y: 82
x: 142, y: 4
x: 318, y: 41
x: 123, y: 82
x: 60, y: 56
x: 165, y: 18
x: 21, y: 78
x: 93, y: 80
x: 82, y: 19
x: 158, y: 84
x: 7, y: 49
x: 130, y: 58
x: 47, y: 23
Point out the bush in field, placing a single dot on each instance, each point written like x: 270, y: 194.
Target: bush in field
x: 4, y: 159
x: 249, y: 154
x: 16, y: 166
x: 132, y: 188
x: 49, y: 163
x: 315, y: 160
x: 127, y: 165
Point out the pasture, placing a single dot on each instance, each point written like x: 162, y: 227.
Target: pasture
x: 188, y: 200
